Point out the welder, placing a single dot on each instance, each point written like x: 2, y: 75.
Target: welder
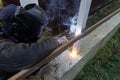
x: 19, y: 46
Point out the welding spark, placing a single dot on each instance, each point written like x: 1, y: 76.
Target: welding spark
x: 73, y: 53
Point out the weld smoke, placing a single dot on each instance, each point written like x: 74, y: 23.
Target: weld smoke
x: 62, y: 14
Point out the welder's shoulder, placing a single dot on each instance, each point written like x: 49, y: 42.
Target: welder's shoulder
x: 8, y: 44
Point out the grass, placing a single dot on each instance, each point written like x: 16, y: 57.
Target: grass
x: 106, y: 64
x: 103, y: 12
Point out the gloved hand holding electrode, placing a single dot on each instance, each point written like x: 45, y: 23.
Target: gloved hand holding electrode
x: 62, y: 40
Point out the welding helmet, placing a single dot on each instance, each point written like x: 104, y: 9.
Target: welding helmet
x: 23, y: 24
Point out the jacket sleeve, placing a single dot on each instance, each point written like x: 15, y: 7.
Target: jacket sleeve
x: 14, y: 57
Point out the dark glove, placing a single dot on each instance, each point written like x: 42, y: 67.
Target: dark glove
x: 62, y: 40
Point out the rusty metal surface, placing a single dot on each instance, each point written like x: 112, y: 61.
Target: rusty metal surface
x: 23, y: 74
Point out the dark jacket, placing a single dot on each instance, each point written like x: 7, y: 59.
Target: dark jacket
x: 15, y: 57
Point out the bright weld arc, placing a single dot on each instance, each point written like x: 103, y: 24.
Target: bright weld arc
x: 74, y: 52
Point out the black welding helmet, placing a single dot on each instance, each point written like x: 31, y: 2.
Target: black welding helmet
x: 26, y: 25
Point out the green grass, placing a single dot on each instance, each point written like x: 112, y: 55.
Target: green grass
x: 106, y: 64
x: 103, y: 12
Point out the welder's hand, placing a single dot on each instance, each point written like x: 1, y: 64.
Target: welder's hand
x: 62, y: 40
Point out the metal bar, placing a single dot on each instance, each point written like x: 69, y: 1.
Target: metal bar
x: 24, y: 73
x: 25, y: 2
x: 83, y: 13
x: 82, y: 20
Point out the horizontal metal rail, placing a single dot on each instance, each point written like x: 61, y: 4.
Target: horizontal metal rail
x: 24, y: 73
